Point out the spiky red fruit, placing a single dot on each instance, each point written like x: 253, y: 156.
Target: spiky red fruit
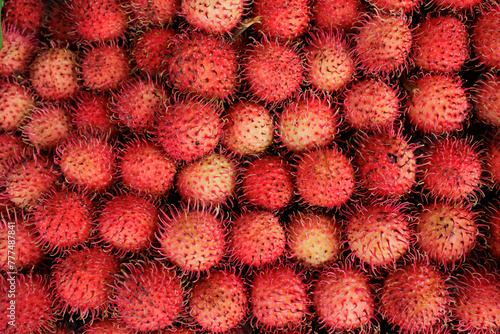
x: 273, y: 71
x: 145, y: 168
x: 438, y: 104
x: 343, y: 298
x: 441, y: 44
x: 476, y: 303
x: 383, y: 43
x: 91, y: 114
x: 330, y: 65
x: 487, y: 100
x: 137, y: 103
x: 308, y: 122
x: 248, y: 128
x: 313, y: 239
x: 341, y: 15
x: 213, y: 17
x: 386, y: 164
x: 82, y: 281
x: 26, y: 181
x: 494, y: 235
x: 53, y: 74
x: 154, y: 12
x: 26, y: 15
x: 11, y: 146
x: 27, y: 303
x: 378, y: 235
x: 451, y: 170
x: 58, y: 26
x: 108, y: 326
x: 128, y: 223
x: 219, y: 302
x: 492, y: 160
x: 267, y: 183
x: 446, y: 233
x: 191, y: 55
x: 371, y: 104
x: 390, y: 6
x: 16, y: 103
x: 148, y: 297
x: 414, y: 298
x: 88, y: 163
x: 19, y: 248
x: 104, y: 66
x: 151, y: 48
x: 283, y: 20
x: 98, y: 20
x: 278, y: 297
x: 194, y: 240
x: 189, y: 129
x: 209, y: 181
x: 63, y: 219
x: 47, y: 126
x: 18, y: 50
x: 324, y: 178
x: 257, y: 238
x: 457, y: 5
x: 485, y: 36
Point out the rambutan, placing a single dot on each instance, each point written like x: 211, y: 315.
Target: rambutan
x: 189, y: 129
x: 88, y: 162
x: 63, y: 219
x: 204, y: 65
x: 219, y: 302
x: 324, y: 178
x: 308, y: 122
x: 154, y: 12
x: 248, y: 128
x: 53, y: 73
x: 193, y: 240
x: 27, y: 303
x: 441, y: 44
x: 91, y: 114
x: 148, y: 296
x: 98, y: 20
x: 438, y: 103
x: 278, y: 297
x: 19, y: 248
x: 104, y: 66
x: 283, y: 20
x: 256, y: 238
x: 371, y: 104
x: 209, y: 181
x: 383, y: 43
x: 341, y: 15
x: 213, y: 17
x: 330, y: 65
x: 107, y: 326
x: 386, y: 164
x: 379, y: 234
x: 415, y: 298
x: 476, y: 305
x: 16, y: 104
x: 343, y: 298
x: 493, y: 222
x: 267, y: 183
x: 47, y: 126
x: 82, y: 281
x: 446, y: 233
x: 128, y: 223
x: 313, y: 239
x: 486, y: 97
x: 151, y: 48
x: 26, y: 15
x: 27, y: 180
x: 392, y: 6
x: 452, y: 170
x: 136, y: 104
x: 18, y: 50
x: 485, y: 36
x: 273, y: 71
x: 145, y: 168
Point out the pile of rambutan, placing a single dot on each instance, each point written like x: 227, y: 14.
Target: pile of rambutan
x: 250, y: 166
